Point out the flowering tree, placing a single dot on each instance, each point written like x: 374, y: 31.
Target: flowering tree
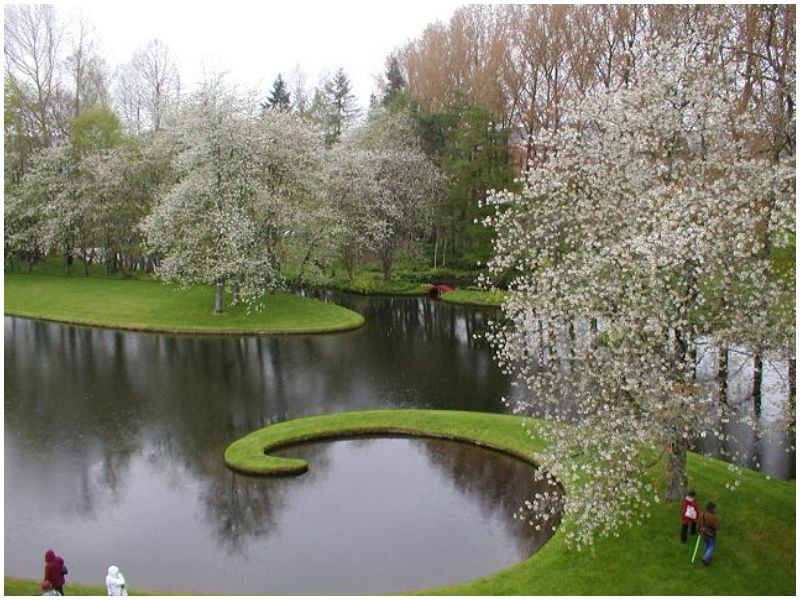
x: 50, y: 211
x: 204, y: 226
x: 650, y: 224
x: 386, y: 186
x: 245, y: 185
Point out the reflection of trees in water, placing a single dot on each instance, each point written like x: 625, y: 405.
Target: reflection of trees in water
x: 755, y: 434
x: 70, y: 396
x: 241, y: 508
x: 498, y: 483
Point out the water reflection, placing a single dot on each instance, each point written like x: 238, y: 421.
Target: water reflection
x: 113, y: 441
x: 109, y: 430
x: 754, y: 435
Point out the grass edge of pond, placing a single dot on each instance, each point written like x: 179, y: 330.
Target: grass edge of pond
x: 17, y: 586
x: 481, y: 298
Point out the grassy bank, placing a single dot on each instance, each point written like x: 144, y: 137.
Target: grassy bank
x: 755, y: 553
x: 153, y: 306
x: 475, y: 297
x: 13, y: 586
x: 373, y: 283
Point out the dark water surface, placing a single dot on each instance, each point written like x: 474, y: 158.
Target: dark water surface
x: 114, y: 443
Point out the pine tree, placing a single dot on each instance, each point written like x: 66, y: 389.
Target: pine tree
x: 341, y: 106
x: 279, y: 97
x: 395, y: 83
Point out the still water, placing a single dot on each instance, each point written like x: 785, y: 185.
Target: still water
x: 114, y: 442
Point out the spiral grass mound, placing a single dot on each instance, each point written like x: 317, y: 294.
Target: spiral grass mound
x: 755, y: 554
x: 250, y: 455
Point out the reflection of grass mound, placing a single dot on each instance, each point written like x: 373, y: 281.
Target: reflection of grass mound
x: 755, y: 554
x: 475, y: 297
x: 153, y: 306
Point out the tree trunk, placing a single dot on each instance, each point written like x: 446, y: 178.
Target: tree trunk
x: 792, y: 378
x: 236, y: 294
x: 758, y: 367
x: 435, y: 249
x: 722, y: 374
x: 219, y: 296
x: 677, y: 480
x: 572, y: 339
x: 386, y: 261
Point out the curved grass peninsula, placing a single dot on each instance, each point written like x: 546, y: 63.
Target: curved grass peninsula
x: 756, y: 547
x: 151, y: 306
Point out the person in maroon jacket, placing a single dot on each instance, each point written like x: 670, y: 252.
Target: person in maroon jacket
x: 690, y: 509
x: 54, y: 570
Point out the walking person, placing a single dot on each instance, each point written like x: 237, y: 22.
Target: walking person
x: 690, y: 509
x: 708, y: 526
x: 115, y: 582
x: 54, y: 571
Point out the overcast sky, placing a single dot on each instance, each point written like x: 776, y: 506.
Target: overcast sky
x: 254, y: 41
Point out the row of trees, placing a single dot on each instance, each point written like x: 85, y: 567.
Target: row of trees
x: 53, y: 72
x: 661, y: 215
x: 490, y: 83
x: 526, y: 63
x: 224, y: 194
x: 206, y: 187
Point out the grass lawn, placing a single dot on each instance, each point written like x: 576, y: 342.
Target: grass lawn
x: 150, y: 305
x: 755, y: 553
x: 475, y: 297
x: 13, y: 586
x: 373, y: 283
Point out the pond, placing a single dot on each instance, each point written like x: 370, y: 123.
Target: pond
x: 114, y: 443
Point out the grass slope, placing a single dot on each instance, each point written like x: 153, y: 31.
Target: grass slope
x: 153, y: 306
x: 13, y: 586
x: 755, y: 553
x: 475, y: 297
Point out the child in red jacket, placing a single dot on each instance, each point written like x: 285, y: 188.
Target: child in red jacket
x: 690, y: 509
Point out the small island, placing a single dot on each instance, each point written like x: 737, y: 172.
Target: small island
x: 148, y: 305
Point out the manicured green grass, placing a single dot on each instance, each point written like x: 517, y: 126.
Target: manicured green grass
x: 154, y: 306
x: 373, y: 283
x: 756, y: 548
x: 13, y: 586
x: 475, y: 297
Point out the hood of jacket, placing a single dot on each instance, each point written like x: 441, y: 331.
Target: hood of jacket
x: 49, y: 556
x: 113, y: 570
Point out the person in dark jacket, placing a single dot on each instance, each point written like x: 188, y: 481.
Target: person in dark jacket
x: 54, y: 570
x: 708, y: 526
x: 689, y: 511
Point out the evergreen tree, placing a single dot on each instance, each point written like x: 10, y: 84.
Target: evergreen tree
x: 395, y: 82
x: 279, y: 96
x: 340, y: 106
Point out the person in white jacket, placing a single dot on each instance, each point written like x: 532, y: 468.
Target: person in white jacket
x: 115, y: 582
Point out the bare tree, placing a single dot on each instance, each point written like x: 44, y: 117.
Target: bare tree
x: 32, y: 38
x: 148, y: 88
x: 85, y: 69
